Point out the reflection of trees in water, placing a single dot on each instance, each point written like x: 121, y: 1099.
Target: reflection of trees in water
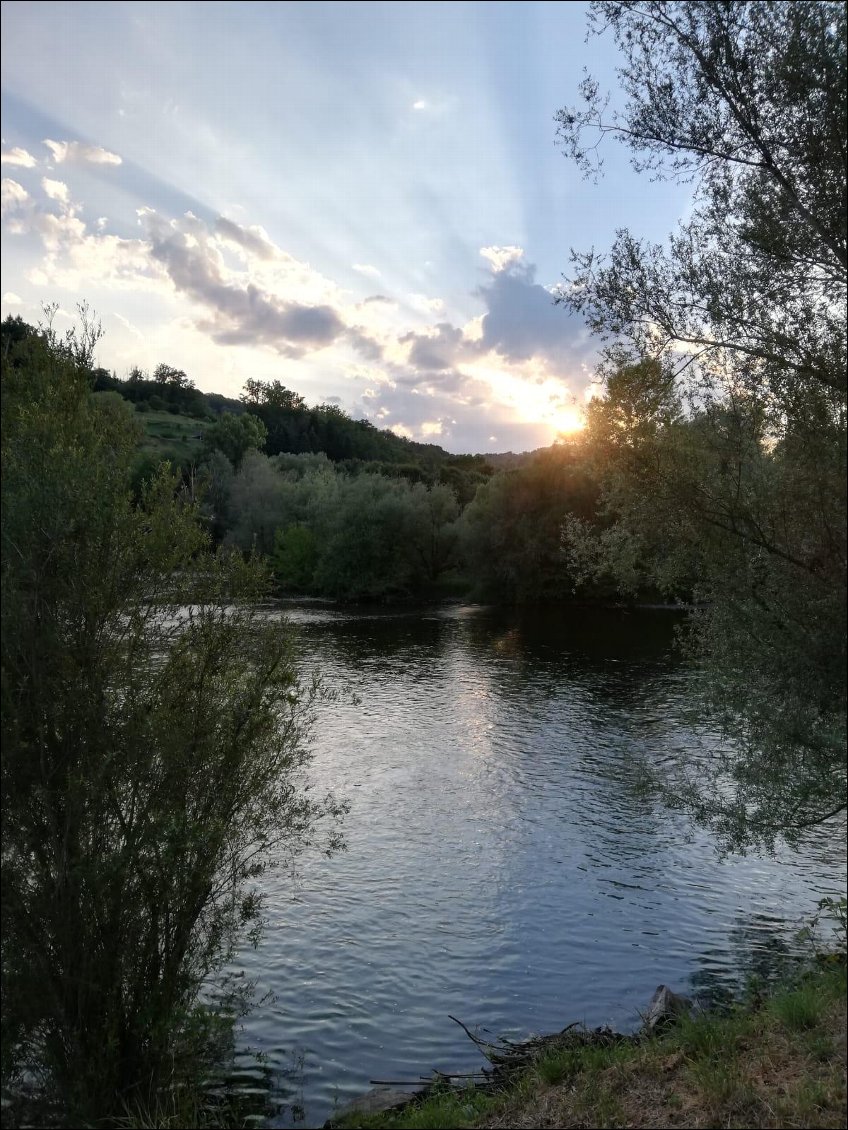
x: 539, y: 653
x: 256, y: 1093
x: 553, y: 644
x: 759, y: 951
x: 602, y: 691
x: 375, y: 638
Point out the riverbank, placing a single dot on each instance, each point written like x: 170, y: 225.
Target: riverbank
x: 773, y: 1062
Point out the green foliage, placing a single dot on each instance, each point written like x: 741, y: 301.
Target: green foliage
x: 257, y: 504
x: 720, y: 442
x: 235, y: 435
x: 295, y: 558
x: 153, y: 739
x: 167, y: 375
x: 511, y: 534
x: 214, y: 485
x: 751, y: 1067
x: 366, y: 551
x: 354, y: 537
x: 295, y: 427
x: 444, y: 1108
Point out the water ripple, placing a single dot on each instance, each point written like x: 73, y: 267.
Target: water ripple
x: 502, y: 865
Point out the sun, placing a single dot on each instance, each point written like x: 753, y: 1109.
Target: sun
x: 567, y: 420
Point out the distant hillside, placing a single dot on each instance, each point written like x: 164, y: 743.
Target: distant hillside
x: 510, y: 460
x: 174, y: 412
x: 169, y: 436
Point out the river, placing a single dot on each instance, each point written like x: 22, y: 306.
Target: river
x: 503, y: 864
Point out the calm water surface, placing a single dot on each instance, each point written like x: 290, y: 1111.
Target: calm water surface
x: 502, y: 865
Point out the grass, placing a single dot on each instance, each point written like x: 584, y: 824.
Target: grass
x: 170, y: 436
x: 779, y: 1063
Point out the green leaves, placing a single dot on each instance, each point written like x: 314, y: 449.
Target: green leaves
x: 154, y: 744
x: 720, y: 442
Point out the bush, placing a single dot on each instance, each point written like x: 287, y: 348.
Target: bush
x: 154, y: 760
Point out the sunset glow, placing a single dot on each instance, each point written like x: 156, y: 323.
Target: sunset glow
x: 363, y: 201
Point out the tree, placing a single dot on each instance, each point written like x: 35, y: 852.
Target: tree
x: 295, y: 557
x: 270, y: 394
x: 167, y: 375
x: 257, y: 504
x: 511, y: 538
x: 235, y: 435
x: 431, y: 534
x: 736, y: 331
x: 153, y: 753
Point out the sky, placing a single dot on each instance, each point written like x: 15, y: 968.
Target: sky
x: 364, y: 201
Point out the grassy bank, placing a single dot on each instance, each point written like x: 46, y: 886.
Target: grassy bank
x: 778, y: 1062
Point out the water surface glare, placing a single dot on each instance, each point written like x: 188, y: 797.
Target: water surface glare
x: 503, y: 865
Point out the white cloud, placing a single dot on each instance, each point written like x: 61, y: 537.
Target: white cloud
x: 13, y: 196
x: 55, y: 189
x: 419, y: 104
x: 19, y: 157
x: 250, y: 241
x: 366, y: 269
x: 12, y: 299
x: 502, y: 257
x: 129, y: 326
x: 425, y: 305
x: 78, y: 151
x: 507, y: 371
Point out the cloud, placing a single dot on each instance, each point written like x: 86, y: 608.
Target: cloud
x: 437, y: 350
x: 19, y: 157
x: 78, y: 152
x: 500, y: 258
x: 522, y: 322
x: 462, y: 416
x: 238, y: 310
x: 253, y: 240
x: 12, y: 299
x: 366, y: 269
x: 419, y: 104
x: 509, y: 371
x: 424, y: 305
x: 127, y: 324
x: 267, y: 299
x: 55, y: 189
x: 13, y: 196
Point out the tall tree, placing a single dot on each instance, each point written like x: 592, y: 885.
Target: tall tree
x: 153, y: 754
x: 739, y: 324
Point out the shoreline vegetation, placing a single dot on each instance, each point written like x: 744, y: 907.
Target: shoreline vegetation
x: 771, y: 1060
